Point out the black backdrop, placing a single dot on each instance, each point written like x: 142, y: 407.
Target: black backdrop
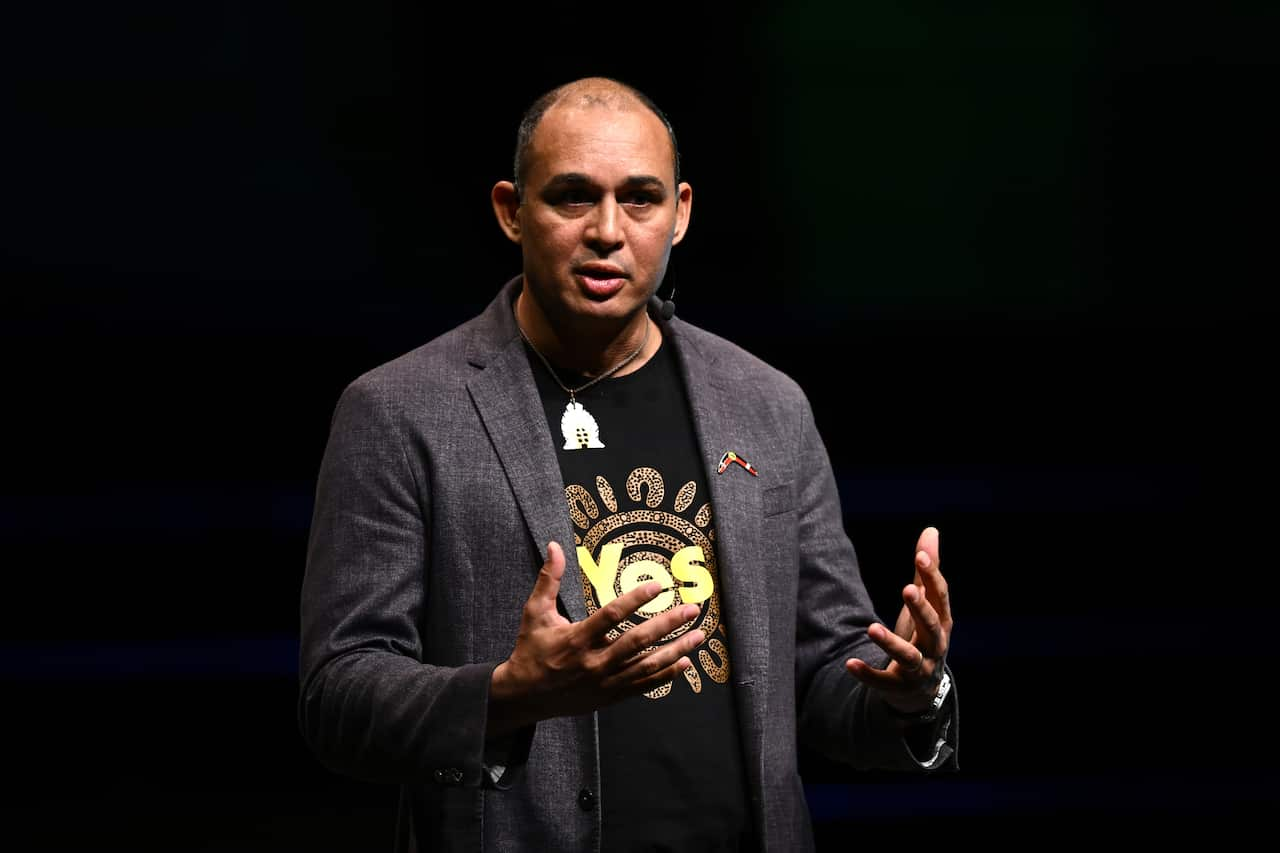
x: 1016, y: 254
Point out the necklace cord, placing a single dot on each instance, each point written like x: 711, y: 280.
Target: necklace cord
x: 572, y: 392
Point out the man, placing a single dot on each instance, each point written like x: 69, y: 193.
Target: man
x: 695, y: 602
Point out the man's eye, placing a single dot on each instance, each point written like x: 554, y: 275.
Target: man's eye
x: 642, y: 199
x: 573, y: 197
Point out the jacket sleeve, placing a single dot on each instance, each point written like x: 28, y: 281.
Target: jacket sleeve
x: 838, y: 715
x: 368, y: 706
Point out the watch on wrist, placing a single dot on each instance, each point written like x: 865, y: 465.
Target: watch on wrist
x: 930, y: 713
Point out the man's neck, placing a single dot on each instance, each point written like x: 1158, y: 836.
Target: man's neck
x: 585, y: 349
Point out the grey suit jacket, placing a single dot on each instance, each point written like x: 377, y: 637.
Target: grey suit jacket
x: 438, y: 493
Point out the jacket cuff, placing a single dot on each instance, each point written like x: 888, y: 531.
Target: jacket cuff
x: 929, y: 746
x: 505, y: 758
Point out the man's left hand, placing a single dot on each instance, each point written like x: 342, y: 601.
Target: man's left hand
x: 917, y: 646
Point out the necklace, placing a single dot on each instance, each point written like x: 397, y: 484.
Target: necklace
x: 579, y: 428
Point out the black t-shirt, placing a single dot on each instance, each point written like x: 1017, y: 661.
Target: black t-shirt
x: 671, y: 771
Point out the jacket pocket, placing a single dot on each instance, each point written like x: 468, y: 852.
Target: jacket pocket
x: 777, y: 500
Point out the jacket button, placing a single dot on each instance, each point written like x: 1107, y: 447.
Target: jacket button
x: 586, y: 799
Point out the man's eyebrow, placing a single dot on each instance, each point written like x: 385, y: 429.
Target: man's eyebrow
x: 571, y: 179
x: 645, y: 180
x: 575, y: 179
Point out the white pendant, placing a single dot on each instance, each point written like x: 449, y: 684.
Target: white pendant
x: 579, y: 428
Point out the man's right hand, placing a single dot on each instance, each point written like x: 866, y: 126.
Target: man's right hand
x: 562, y: 668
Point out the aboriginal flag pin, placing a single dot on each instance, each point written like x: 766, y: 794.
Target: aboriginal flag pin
x: 730, y: 457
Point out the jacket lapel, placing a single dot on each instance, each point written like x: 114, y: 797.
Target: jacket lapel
x: 723, y: 420
x: 507, y: 399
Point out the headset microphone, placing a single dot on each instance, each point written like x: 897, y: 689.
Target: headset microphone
x: 666, y: 308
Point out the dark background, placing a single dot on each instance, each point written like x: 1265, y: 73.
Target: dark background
x: 1019, y: 255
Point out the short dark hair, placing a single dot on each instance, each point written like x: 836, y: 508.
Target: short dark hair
x: 533, y: 116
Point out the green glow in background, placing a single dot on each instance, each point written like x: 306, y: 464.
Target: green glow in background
x: 931, y: 161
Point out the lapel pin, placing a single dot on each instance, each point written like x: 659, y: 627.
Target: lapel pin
x: 731, y: 457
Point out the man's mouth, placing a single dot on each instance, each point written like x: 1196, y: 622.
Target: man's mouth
x: 600, y: 271
x: 600, y: 280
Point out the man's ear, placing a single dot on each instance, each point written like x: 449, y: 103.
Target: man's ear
x: 506, y: 207
x: 684, y: 209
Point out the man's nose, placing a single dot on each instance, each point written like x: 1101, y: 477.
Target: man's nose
x: 604, y: 231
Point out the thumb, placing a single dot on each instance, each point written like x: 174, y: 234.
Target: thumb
x: 547, y: 587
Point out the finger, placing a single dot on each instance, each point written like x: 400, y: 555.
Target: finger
x: 926, y: 546
x: 619, y: 610
x: 930, y: 633
x: 547, y: 586
x: 928, y: 542
x: 909, y: 658
x: 650, y: 632
x: 905, y: 626
x: 643, y: 685
x: 880, y: 679
x: 935, y: 586
x: 647, y: 667
x: 662, y: 676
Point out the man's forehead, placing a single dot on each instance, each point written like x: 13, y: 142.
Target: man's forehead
x: 574, y: 135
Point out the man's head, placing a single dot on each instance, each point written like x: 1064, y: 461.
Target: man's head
x: 602, y: 90
x: 599, y: 205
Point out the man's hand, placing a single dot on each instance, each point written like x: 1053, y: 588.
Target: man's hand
x: 917, y: 646
x: 560, y: 667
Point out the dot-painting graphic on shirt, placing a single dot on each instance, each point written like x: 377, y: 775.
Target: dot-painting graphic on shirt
x: 624, y: 543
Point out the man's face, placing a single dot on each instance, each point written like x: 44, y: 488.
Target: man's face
x: 599, y: 212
